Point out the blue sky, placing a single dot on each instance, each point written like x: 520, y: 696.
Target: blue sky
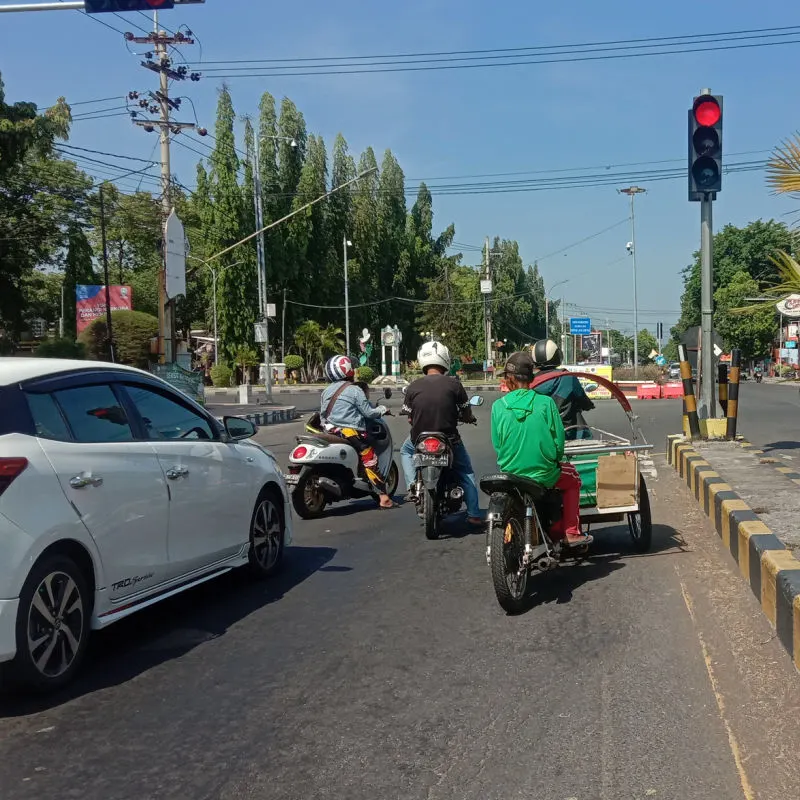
x: 474, y: 121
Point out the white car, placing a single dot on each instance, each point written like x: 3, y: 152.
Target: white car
x: 117, y: 491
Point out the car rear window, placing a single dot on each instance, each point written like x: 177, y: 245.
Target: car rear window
x: 47, y: 418
x: 94, y: 414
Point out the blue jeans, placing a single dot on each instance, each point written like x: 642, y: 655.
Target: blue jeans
x: 462, y: 466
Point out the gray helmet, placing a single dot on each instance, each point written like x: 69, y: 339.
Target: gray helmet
x: 546, y: 353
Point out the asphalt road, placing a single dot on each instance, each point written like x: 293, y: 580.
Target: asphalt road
x: 380, y: 665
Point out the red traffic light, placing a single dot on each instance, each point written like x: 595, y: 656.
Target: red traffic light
x: 707, y: 111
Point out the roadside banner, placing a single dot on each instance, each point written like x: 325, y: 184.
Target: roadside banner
x: 603, y: 370
x: 90, y: 303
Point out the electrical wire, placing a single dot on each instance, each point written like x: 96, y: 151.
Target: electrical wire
x: 648, y: 39
x: 243, y: 72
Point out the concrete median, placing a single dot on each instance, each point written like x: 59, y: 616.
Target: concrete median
x: 737, y: 489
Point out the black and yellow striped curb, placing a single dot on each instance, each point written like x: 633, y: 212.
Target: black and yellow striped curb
x: 764, y: 561
x: 271, y: 417
x: 788, y: 472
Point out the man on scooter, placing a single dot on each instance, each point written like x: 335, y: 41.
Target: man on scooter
x: 345, y: 410
x: 436, y: 404
x: 566, y: 392
x: 528, y: 437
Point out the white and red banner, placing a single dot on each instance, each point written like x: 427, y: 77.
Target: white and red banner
x: 90, y: 303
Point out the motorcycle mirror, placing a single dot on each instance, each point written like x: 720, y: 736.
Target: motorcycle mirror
x: 387, y: 393
x: 476, y: 400
x: 403, y: 389
x: 590, y: 387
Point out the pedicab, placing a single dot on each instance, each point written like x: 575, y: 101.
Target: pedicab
x: 522, y: 512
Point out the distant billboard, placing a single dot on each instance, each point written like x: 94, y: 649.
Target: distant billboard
x: 90, y: 303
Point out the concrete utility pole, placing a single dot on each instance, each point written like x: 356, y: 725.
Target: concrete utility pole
x: 486, y: 291
x: 262, y: 265
x: 632, y: 191
x: 161, y: 103
x: 346, y: 242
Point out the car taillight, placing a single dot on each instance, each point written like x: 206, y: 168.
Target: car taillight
x: 300, y: 452
x: 10, y: 468
x: 432, y: 445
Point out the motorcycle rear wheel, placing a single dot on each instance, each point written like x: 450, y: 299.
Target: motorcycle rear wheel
x: 430, y: 511
x: 506, y: 551
x: 308, y: 500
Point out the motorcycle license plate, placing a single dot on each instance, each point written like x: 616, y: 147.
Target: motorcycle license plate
x: 430, y: 461
x: 291, y: 480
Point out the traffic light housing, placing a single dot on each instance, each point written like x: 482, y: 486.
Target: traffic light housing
x: 705, y: 146
x: 111, y: 6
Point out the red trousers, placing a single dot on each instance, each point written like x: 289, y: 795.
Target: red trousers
x: 570, y: 485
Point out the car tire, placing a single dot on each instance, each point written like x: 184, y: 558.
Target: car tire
x: 53, y: 625
x: 267, y: 535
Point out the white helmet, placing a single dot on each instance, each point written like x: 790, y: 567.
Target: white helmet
x: 434, y: 354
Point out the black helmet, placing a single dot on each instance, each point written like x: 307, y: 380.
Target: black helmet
x: 546, y: 353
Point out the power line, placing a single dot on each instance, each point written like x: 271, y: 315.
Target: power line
x: 322, y: 69
x: 782, y: 30
x: 110, y: 155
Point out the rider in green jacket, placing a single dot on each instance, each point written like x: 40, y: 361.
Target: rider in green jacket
x: 528, y: 437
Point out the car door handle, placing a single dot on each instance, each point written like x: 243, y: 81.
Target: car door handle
x: 82, y: 481
x: 177, y: 472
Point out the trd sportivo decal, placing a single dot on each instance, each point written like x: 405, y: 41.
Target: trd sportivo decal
x: 128, y: 582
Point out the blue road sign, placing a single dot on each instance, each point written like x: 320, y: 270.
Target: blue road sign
x: 661, y: 361
x: 580, y: 326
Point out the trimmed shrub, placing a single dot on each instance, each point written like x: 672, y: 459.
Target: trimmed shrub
x: 294, y: 363
x: 366, y: 374
x: 221, y: 375
x: 132, y: 331
x: 61, y: 348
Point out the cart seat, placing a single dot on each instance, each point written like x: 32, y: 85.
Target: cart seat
x: 503, y: 481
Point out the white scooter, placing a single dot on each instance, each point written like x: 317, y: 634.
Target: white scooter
x: 324, y: 468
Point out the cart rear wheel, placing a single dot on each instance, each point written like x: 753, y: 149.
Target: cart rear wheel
x: 640, y: 523
x: 509, y: 576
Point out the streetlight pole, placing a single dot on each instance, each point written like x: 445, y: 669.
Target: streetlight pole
x: 347, y: 243
x: 214, y: 272
x: 547, y: 306
x: 632, y: 191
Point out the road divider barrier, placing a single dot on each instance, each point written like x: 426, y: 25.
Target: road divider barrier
x: 648, y: 391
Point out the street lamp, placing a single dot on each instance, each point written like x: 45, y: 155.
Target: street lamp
x: 547, y: 306
x: 214, y: 272
x: 632, y: 191
x: 347, y: 243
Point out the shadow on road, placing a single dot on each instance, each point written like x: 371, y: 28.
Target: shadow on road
x: 781, y: 446
x: 612, y: 546
x: 174, y: 627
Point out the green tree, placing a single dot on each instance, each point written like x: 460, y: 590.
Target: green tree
x: 236, y: 312
x: 364, y: 256
x: 511, y: 303
x: 78, y: 269
x: 752, y: 331
x: 749, y: 249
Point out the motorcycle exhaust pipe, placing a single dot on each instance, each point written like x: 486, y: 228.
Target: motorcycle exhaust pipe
x: 546, y: 563
x: 330, y: 487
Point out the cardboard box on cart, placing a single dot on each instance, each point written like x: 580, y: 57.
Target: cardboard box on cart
x: 617, y: 477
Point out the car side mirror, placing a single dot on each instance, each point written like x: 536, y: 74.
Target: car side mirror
x: 387, y: 393
x: 239, y: 428
x: 476, y: 400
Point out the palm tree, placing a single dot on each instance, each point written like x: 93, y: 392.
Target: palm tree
x: 308, y: 337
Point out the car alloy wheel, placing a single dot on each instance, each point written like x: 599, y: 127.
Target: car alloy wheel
x: 56, y: 624
x: 266, y: 538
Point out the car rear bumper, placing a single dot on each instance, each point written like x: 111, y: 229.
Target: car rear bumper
x: 8, y: 629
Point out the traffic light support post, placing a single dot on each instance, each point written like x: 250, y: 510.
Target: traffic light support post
x: 707, y: 404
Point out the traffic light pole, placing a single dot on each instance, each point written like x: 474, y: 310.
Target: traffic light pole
x: 708, y: 363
